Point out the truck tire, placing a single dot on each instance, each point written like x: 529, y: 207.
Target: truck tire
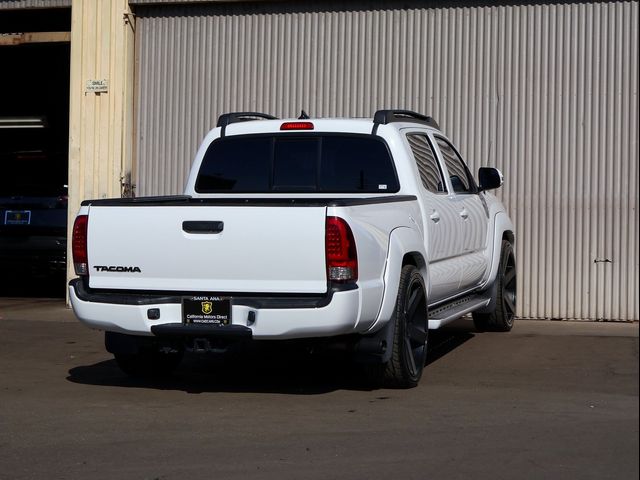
x: 149, y: 362
x: 409, y: 349
x: 501, y: 319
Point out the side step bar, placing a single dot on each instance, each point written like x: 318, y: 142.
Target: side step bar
x: 443, y: 314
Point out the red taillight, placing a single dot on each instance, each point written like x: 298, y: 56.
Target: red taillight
x: 340, y: 247
x: 79, y: 245
x: 296, y: 126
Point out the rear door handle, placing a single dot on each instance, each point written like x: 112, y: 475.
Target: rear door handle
x: 202, y: 227
x: 435, y: 217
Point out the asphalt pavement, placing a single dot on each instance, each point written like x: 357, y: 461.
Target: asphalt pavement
x: 547, y: 400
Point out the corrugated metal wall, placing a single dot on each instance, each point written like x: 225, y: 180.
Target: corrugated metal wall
x: 547, y: 93
x: 21, y: 4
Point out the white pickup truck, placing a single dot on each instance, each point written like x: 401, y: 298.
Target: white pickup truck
x: 364, y: 232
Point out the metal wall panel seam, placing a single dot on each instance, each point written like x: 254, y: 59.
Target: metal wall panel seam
x: 621, y: 188
x: 613, y: 307
x: 632, y: 250
x: 607, y: 172
x: 560, y: 245
x: 599, y: 98
x: 633, y: 287
x: 574, y: 276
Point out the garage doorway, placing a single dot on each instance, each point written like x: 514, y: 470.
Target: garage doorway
x: 34, y: 151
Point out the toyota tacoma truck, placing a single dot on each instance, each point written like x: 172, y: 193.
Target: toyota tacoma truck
x: 362, y: 232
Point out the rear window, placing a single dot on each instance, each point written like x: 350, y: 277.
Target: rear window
x: 327, y: 163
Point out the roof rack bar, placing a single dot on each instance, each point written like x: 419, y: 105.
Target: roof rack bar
x: 383, y: 117
x: 235, y: 117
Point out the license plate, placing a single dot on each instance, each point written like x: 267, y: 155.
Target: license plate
x: 17, y: 217
x: 206, y: 309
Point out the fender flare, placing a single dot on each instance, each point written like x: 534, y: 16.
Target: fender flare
x: 502, y: 224
x: 402, y: 241
x: 375, y: 345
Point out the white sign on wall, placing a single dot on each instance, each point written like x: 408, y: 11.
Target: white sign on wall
x: 97, y: 86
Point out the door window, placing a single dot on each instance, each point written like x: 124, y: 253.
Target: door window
x: 459, y: 175
x: 428, y: 167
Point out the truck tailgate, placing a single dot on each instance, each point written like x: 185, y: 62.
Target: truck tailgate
x: 264, y: 249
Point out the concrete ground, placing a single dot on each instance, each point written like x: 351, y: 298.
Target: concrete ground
x: 548, y: 400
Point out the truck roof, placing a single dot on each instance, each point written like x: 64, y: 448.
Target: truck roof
x: 237, y: 123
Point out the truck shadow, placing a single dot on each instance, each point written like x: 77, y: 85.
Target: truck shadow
x: 261, y: 369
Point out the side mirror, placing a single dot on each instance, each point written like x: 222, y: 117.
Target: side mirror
x: 489, y: 178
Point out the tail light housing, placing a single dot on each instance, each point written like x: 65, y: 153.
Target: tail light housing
x: 79, y: 245
x: 340, y: 249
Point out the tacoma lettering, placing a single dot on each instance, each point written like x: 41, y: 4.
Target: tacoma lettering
x: 104, y: 268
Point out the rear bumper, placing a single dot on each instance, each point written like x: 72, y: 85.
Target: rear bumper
x: 335, y: 314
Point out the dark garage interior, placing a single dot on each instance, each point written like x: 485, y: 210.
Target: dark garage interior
x: 34, y: 132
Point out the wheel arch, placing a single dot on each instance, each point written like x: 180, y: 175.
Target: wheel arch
x: 417, y: 260
x: 510, y: 237
x: 503, y: 230
x: 400, y: 255
x: 406, y: 247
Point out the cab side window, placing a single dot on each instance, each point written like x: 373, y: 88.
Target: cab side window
x: 458, y: 173
x: 425, y: 158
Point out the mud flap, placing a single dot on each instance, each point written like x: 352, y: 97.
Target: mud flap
x: 491, y: 293
x: 377, y: 347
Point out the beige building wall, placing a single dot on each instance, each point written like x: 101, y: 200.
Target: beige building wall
x: 100, y: 122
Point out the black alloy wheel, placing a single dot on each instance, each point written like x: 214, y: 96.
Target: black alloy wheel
x: 509, y: 286
x: 410, y: 325
x: 503, y: 315
x: 415, y: 329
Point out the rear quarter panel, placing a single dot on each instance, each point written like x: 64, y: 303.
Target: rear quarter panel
x: 372, y: 227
